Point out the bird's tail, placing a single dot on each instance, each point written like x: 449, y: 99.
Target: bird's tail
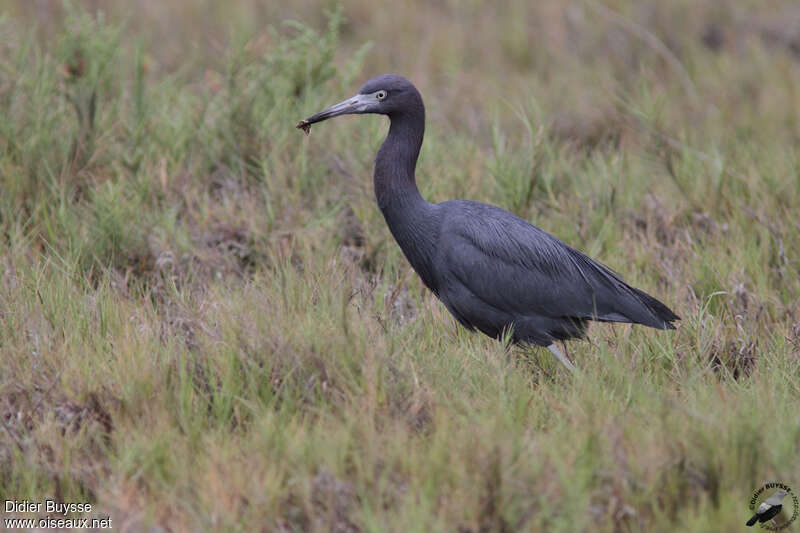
x: 752, y: 521
x: 663, y: 313
x: 620, y: 302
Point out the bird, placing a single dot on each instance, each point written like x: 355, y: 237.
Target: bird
x: 769, y: 508
x: 494, y: 271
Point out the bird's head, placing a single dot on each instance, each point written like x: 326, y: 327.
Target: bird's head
x: 388, y: 94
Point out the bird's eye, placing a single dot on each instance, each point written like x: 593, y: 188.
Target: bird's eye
x: 380, y: 95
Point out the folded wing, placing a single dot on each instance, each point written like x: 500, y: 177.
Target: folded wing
x: 518, y: 269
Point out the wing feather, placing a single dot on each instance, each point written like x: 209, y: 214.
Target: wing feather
x: 515, y: 266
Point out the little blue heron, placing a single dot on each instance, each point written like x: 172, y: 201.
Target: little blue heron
x: 493, y: 270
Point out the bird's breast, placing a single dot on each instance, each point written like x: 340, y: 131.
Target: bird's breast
x: 415, y: 228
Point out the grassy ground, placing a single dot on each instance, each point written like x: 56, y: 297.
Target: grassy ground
x: 205, y: 323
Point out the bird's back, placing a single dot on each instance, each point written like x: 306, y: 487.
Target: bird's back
x: 495, y: 269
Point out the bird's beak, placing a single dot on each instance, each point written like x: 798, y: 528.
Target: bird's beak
x: 360, y: 103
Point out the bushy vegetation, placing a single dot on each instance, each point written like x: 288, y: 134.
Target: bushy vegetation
x: 206, y: 325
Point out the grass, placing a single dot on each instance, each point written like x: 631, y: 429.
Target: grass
x: 206, y: 325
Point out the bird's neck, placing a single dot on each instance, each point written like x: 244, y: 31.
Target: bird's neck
x: 395, y: 184
x: 412, y: 220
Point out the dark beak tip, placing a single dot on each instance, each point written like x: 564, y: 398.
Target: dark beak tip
x: 304, y: 125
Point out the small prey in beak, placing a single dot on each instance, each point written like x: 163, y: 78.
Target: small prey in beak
x: 304, y: 125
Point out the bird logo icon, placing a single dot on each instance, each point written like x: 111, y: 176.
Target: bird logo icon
x: 768, y: 511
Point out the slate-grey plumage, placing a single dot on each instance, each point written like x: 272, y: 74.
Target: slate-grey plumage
x: 492, y: 269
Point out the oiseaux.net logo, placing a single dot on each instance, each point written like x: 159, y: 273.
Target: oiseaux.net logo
x: 774, y: 506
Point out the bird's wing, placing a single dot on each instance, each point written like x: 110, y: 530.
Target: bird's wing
x: 763, y: 508
x: 514, y: 266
